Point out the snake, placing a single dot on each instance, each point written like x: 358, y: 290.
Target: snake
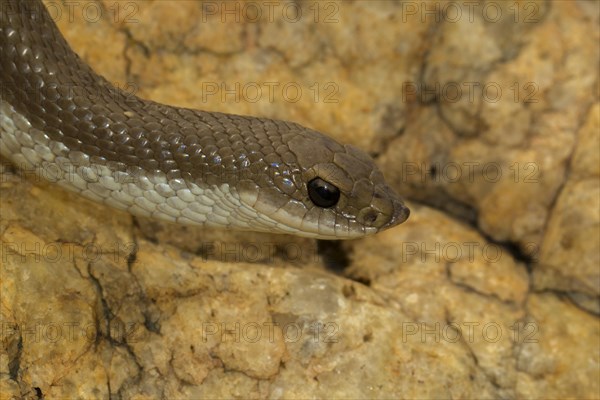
x: 71, y: 126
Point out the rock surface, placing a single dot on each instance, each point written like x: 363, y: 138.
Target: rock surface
x: 487, y: 119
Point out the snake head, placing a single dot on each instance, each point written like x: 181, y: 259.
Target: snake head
x: 329, y: 191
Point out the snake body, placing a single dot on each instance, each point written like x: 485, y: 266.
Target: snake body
x: 71, y: 126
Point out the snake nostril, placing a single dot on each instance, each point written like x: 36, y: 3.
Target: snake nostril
x: 371, y: 217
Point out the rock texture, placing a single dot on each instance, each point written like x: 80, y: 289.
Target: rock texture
x: 485, y: 116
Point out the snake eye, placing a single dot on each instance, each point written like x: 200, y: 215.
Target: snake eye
x: 322, y: 193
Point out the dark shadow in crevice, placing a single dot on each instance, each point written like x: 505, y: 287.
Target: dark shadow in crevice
x: 333, y: 255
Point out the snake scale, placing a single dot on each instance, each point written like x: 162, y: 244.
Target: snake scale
x: 70, y: 125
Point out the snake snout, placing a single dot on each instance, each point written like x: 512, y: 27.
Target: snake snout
x: 400, y: 214
x: 385, y: 210
x: 393, y: 208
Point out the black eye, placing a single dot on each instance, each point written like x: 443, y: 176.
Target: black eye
x: 323, y: 193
